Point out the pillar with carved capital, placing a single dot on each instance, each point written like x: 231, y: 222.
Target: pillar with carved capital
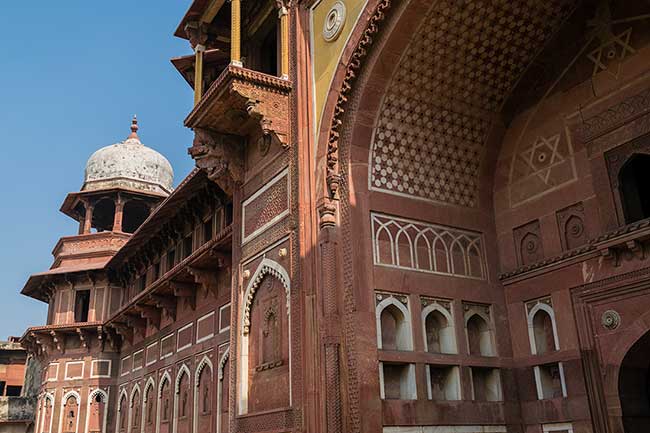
x: 119, y: 215
x: 235, y: 32
x: 284, y: 41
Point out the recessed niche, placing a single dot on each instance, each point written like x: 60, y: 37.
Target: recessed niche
x: 549, y: 380
x: 486, y: 384
x: 443, y: 382
x: 397, y: 381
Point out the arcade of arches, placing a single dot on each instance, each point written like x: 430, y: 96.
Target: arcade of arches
x: 406, y: 216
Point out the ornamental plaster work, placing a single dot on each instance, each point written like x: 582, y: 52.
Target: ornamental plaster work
x: 542, y: 163
x: 435, y: 116
x: 420, y: 246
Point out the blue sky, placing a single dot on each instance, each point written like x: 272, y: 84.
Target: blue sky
x: 72, y: 74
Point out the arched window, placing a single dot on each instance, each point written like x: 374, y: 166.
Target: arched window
x: 634, y: 187
x: 393, y: 325
x: 542, y: 330
x: 104, y: 215
x: 439, y: 331
x: 135, y: 212
x: 479, y: 336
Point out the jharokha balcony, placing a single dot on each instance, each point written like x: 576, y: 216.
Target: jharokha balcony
x: 239, y: 73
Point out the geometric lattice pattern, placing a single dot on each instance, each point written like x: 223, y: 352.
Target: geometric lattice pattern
x: 457, y: 71
x: 415, y: 245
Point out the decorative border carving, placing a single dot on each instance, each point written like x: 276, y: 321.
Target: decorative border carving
x: 266, y: 267
x: 354, y: 65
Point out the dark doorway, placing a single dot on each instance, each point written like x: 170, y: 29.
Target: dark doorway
x: 634, y: 387
x: 634, y: 186
x: 135, y: 212
x: 81, y: 305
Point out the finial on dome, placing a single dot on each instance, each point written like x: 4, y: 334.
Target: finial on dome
x: 134, y: 128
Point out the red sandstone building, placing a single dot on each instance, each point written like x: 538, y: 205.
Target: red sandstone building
x: 407, y: 217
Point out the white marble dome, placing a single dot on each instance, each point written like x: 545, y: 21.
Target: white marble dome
x: 129, y: 164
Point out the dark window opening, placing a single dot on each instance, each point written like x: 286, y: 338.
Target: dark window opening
x: 228, y: 214
x: 156, y: 271
x: 14, y: 391
x: 187, y: 246
x: 207, y: 230
x: 104, y: 215
x: 81, y: 305
x: 2, y: 387
x: 140, y: 283
x: 135, y: 212
x: 171, y: 259
x: 634, y: 181
x: 269, y: 50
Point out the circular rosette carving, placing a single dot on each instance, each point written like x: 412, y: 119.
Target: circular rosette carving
x: 334, y: 21
x: 610, y: 320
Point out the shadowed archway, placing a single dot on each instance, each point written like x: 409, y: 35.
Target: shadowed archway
x: 634, y: 387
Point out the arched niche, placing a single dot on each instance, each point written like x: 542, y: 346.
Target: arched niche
x: 265, y: 336
x: 97, y: 412
x: 122, y: 417
x: 542, y: 329
x: 634, y: 387
x: 149, y: 406
x: 135, y: 410
x: 438, y: 330
x: 204, y: 397
x: 480, y: 338
x: 70, y: 412
x: 223, y: 393
x: 393, y: 325
x: 164, y: 404
x: 46, y: 416
x: 183, y: 401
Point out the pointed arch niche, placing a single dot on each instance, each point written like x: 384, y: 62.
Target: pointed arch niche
x: 122, y: 412
x: 223, y: 391
x: 393, y: 322
x: 204, y: 396
x: 479, y: 330
x: 69, y: 418
x: 97, y: 412
x: 135, y: 410
x: 47, y: 410
x: 163, y: 410
x: 265, y: 340
x: 542, y: 328
x: 438, y: 326
x: 182, y: 401
x: 149, y: 406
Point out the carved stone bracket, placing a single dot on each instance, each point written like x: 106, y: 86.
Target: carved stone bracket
x: 207, y: 279
x: 221, y: 156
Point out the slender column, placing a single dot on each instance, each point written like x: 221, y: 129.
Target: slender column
x: 119, y: 215
x: 88, y: 221
x: 235, y: 32
x: 198, y: 72
x: 284, y: 42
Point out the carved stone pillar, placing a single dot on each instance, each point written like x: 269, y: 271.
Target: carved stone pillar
x: 119, y: 215
x: 331, y: 338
